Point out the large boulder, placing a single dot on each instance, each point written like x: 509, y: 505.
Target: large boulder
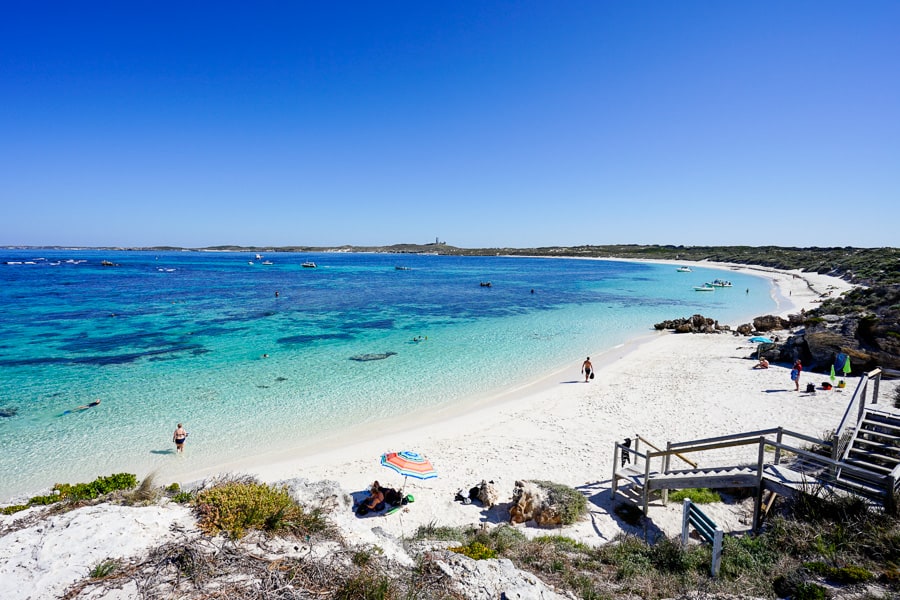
x: 868, y: 341
x: 542, y: 501
x: 770, y: 323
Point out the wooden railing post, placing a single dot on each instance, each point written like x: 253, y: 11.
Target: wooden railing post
x: 862, y: 399
x: 717, y: 551
x: 685, y: 519
x: 890, y: 503
x: 666, y: 459
x: 646, y: 490
x: 778, y: 438
x: 615, y: 479
x: 757, y: 508
x: 875, y: 385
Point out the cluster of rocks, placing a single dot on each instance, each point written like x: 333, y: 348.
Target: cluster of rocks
x: 694, y: 324
x: 532, y: 501
x: 817, y: 341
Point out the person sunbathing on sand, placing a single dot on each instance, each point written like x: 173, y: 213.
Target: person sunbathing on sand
x: 763, y: 364
x: 374, y: 502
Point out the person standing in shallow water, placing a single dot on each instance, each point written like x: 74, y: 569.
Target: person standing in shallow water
x: 178, y: 437
x: 587, y: 368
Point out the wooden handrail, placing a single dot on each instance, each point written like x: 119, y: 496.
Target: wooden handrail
x: 687, y: 460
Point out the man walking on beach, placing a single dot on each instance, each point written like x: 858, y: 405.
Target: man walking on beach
x: 178, y: 437
x: 587, y: 369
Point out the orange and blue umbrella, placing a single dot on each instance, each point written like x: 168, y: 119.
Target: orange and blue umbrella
x: 409, y: 464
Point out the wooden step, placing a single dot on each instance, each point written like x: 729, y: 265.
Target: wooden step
x: 882, y: 439
x: 881, y: 447
x: 884, y: 417
x: 886, y: 428
x: 861, y: 488
x: 869, y: 466
x: 874, y: 455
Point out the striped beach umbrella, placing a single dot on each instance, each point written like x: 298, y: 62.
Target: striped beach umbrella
x: 409, y: 464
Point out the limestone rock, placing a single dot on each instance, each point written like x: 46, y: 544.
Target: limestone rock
x: 487, y: 494
x: 527, y: 497
x: 694, y: 324
x: 745, y: 329
x: 531, y: 501
x: 770, y: 322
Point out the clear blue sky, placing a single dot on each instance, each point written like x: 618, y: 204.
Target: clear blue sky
x: 484, y: 123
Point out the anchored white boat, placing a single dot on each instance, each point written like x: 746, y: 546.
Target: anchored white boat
x: 684, y: 269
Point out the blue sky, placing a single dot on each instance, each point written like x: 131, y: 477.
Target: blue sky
x: 483, y: 123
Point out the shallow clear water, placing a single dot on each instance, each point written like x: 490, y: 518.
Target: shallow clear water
x: 175, y: 337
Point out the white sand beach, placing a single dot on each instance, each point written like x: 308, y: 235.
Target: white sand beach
x: 665, y: 387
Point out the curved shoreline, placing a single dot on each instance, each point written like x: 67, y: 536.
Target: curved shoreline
x: 663, y: 386
x: 384, y: 434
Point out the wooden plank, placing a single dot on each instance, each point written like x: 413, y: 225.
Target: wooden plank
x: 702, y: 481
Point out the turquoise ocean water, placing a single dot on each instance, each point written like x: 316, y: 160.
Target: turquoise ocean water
x: 172, y: 337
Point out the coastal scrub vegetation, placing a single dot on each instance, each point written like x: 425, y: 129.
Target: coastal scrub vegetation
x: 868, y: 266
x: 696, y: 495
x: 233, y: 507
x: 571, y: 504
x: 71, y: 493
x: 813, y: 544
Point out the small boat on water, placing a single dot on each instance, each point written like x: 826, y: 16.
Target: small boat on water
x: 399, y: 268
x: 684, y: 269
x: 268, y: 262
x: 259, y: 257
x: 721, y: 283
x: 309, y: 265
x: 704, y: 288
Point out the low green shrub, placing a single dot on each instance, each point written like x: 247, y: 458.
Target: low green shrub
x: 182, y: 497
x: 810, y: 591
x: 104, y: 568
x: 233, y: 507
x: 433, y: 531
x: 367, y: 585
x: 66, y: 492
x: 696, y: 495
x: 8, y: 510
x: 475, y: 550
x: 572, y: 503
x: 848, y: 575
x: 99, y: 487
x: 173, y: 488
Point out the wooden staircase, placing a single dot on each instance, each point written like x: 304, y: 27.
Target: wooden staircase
x: 875, y: 445
x: 864, y: 461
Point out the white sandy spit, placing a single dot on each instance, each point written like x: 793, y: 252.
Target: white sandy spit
x: 664, y: 387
